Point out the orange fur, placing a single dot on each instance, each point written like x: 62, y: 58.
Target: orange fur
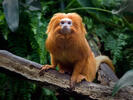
x: 71, y: 52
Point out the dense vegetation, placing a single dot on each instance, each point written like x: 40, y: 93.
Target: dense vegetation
x: 110, y: 29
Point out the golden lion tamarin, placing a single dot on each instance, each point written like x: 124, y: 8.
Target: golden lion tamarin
x: 70, y: 50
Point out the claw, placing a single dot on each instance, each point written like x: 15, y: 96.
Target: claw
x: 45, y: 68
x: 41, y: 72
x: 72, y: 85
x: 75, y: 80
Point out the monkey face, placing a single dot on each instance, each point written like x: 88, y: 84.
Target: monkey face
x: 65, y: 24
x: 62, y: 23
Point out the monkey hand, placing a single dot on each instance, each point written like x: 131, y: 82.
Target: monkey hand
x: 46, y: 68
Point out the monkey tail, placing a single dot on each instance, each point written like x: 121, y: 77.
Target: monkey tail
x: 103, y: 59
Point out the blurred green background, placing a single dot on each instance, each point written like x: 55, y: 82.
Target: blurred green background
x: 24, y: 35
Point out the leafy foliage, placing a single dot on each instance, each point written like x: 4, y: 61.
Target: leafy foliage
x: 113, y: 32
x: 126, y: 80
x: 11, y: 9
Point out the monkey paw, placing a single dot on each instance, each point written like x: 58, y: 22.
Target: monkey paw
x: 80, y: 78
x: 45, y: 68
x: 61, y: 71
x: 75, y: 80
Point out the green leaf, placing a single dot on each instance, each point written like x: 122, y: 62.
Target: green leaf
x: 84, y: 3
x: 34, y: 5
x: 11, y: 11
x: 106, y: 3
x: 88, y: 22
x: 126, y: 80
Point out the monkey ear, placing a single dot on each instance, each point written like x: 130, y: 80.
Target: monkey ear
x: 81, y: 22
x: 50, y: 25
x: 83, y: 28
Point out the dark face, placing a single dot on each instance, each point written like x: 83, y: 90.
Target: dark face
x: 65, y: 25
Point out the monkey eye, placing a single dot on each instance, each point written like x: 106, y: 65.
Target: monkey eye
x: 69, y: 22
x: 62, y: 22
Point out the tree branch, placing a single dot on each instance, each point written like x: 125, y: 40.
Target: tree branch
x: 57, y: 81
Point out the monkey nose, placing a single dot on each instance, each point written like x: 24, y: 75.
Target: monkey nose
x: 65, y: 30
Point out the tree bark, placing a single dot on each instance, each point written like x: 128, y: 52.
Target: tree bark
x: 60, y: 82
